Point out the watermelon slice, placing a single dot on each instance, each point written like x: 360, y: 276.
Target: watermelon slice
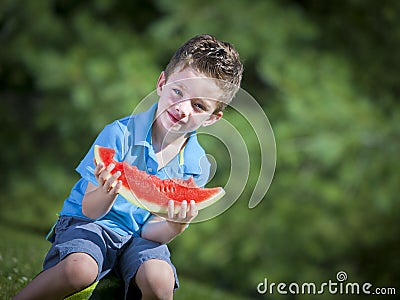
x: 152, y: 193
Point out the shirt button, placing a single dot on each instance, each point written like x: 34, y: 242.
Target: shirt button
x: 150, y: 169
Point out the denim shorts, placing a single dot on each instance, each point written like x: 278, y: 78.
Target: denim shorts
x: 111, y: 251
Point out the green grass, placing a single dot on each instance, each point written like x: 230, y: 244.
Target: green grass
x: 21, y: 257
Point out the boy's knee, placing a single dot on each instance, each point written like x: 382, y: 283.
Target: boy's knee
x: 156, y: 278
x: 80, y: 270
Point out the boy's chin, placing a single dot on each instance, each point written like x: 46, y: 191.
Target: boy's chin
x: 176, y: 129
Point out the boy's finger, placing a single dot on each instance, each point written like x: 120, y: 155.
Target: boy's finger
x: 112, y: 181
x: 182, y: 212
x: 116, y: 175
x: 108, y: 185
x: 115, y: 189
x: 98, y: 169
x: 170, y: 209
x: 110, y: 168
x: 193, y: 209
x: 104, y: 174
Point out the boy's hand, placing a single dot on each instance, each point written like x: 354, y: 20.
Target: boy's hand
x: 98, y: 200
x: 107, y: 183
x: 185, y: 215
x: 164, y: 228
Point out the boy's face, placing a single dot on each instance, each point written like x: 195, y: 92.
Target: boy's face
x: 187, y: 101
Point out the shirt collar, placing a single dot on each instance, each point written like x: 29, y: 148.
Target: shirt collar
x: 142, y: 123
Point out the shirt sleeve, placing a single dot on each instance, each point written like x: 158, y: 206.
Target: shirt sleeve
x: 112, y: 136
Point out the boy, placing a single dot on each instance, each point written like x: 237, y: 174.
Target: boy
x: 98, y: 230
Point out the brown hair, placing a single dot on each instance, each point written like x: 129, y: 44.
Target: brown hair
x: 213, y: 58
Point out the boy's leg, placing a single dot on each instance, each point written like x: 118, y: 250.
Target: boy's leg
x: 73, y: 273
x: 155, y: 279
x: 146, y: 266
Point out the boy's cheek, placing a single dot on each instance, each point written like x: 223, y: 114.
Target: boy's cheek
x: 195, y: 122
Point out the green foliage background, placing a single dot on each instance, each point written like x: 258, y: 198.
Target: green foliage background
x: 326, y: 74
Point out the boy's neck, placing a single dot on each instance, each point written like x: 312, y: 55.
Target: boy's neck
x: 162, y: 140
x: 166, y: 145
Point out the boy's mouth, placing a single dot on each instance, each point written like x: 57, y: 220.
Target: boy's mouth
x: 173, y: 118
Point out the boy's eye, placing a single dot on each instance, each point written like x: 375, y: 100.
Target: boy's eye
x: 199, y: 106
x: 178, y: 92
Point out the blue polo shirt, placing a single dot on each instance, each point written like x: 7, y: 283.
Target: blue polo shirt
x: 131, y: 139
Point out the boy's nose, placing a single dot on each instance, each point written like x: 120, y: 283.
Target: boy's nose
x: 183, y: 108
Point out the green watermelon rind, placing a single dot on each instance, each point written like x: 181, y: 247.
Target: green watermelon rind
x: 156, y: 208
x: 163, y: 210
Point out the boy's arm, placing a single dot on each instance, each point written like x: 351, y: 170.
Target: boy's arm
x: 98, y: 200
x: 161, y: 230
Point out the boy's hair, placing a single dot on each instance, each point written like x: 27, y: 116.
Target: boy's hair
x: 213, y: 58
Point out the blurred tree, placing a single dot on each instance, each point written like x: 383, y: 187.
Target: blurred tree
x: 366, y: 34
x: 65, y: 74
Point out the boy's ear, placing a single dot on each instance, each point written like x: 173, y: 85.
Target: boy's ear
x: 212, y: 119
x: 160, y: 83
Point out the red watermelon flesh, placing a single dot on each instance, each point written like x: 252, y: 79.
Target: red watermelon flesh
x: 152, y: 193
